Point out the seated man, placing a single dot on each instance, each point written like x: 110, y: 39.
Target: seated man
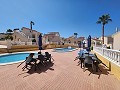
x: 41, y: 58
x: 29, y: 60
x: 48, y: 56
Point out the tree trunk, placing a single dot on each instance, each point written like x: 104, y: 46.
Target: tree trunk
x: 103, y: 34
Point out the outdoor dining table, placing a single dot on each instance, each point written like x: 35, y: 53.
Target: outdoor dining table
x: 83, y: 54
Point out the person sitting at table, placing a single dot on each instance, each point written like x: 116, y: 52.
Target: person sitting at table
x: 41, y: 58
x: 47, y: 57
x: 29, y: 60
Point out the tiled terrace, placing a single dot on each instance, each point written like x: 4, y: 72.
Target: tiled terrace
x: 63, y: 74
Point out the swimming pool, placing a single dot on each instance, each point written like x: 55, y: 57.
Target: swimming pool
x: 64, y: 49
x: 12, y: 58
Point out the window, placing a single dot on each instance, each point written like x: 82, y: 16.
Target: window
x: 33, y: 35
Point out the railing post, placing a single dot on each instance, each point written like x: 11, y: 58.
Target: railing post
x: 119, y: 59
x: 102, y: 51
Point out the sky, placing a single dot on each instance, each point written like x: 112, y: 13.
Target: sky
x: 64, y: 16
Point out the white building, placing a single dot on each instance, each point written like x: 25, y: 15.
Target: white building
x: 25, y: 36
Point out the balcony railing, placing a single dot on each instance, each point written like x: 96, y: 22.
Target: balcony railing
x: 110, y: 54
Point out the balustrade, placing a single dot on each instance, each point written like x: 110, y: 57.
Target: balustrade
x: 113, y: 55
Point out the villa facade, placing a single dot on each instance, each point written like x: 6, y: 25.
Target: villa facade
x: 51, y: 38
x: 96, y: 42
x: 73, y: 40
x: 25, y: 36
x: 116, y: 40
x: 108, y: 40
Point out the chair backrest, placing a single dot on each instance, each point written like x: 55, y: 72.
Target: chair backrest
x: 26, y: 58
x: 80, y: 53
x: 47, y: 55
x: 40, y: 57
x: 88, y: 60
x: 97, y: 58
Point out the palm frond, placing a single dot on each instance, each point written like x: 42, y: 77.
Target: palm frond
x: 104, y: 19
x: 110, y: 20
x: 32, y: 22
x: 98, y: 22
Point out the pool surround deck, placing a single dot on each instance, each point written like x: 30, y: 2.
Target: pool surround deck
x: 63, y: 74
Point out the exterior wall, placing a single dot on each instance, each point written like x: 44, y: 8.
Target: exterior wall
x: 51, y: 37
x: 26, y: 35
x: 32, y: 34
x: 108, y: 40
x: 73, y: 40
x: 2, y: 36
x: 27, y: 32
x: 18, y: 37
x: 105, y: 40
x: 96, y: 42
x: 116, y: 43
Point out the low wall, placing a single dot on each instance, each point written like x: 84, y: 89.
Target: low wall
x: 3, y: 50
x: 20, y: 48
x: 50, y: 46
x: 115, y: 69
x: 3, y: 43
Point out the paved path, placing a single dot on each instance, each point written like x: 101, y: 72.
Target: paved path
x: 63, y: 74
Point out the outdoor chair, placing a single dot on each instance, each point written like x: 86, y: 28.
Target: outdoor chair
x: 81, y: 61
x: 98, y: 61
x: 80, y: 54
x: 42, y: 59
x: 88, y: 62
x: 30, y: 65
x: 47, y: 57
x: 81, y: 57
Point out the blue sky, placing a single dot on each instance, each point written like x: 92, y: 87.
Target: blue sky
x: 64, y: 16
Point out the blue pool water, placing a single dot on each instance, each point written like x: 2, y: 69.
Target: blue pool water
x: 64, y: 49
x: 13, y: 58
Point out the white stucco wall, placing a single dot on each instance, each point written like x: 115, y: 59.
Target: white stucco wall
x: 116, y: 41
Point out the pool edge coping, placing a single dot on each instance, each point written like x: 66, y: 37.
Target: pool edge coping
x: 3, y: 64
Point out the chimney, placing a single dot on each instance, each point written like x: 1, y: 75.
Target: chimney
x: 116, y: 29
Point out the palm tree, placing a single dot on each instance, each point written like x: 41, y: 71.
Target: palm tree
x: 31, y: 23
x: 104, y: 19
x: 75, y: 35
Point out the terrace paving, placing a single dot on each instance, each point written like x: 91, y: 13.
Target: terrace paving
x: 63, y: 74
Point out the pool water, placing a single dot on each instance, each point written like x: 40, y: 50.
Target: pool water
x: 10, y: 58
x: 64, y: 49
